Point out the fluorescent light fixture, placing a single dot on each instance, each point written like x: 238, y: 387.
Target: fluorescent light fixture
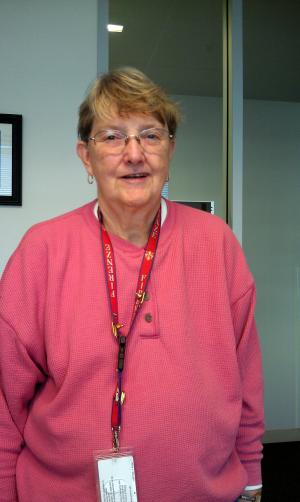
x: 116, y: 28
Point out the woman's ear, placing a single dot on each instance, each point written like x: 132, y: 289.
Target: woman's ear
x: 84, y: 155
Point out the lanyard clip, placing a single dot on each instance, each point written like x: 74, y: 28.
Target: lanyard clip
x: 115, y: 412
x: 116, y: 439
x: 115, y: 328
x: 141, y: 297
x: 121, y: 355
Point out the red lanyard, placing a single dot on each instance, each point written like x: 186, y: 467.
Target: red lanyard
x: 111, y: 279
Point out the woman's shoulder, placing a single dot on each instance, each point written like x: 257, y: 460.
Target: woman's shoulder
x: 54, y: 236
x: 206, y: 228
x: 198, y: 220
x: 60, y: 224
x: 210, y: 237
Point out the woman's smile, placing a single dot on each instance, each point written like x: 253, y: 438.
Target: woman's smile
x: 133, y: 176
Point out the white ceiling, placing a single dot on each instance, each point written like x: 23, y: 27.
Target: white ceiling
x: 178, y: 43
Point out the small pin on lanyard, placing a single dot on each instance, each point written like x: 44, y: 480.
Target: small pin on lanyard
x: 111, y: 280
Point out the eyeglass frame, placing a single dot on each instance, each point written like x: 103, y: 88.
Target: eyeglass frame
x: 127, y: 137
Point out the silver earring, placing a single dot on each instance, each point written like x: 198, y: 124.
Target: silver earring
x: 168, y: 179
x: 90, y: 179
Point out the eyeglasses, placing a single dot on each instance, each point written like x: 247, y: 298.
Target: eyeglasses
x: 150, y: 139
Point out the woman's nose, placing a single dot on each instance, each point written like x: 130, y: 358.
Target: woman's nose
x: 133, y: 151
x: 132, y: 136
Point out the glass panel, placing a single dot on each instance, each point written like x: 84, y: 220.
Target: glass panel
x: 271, y: 194
x: 180, y: 48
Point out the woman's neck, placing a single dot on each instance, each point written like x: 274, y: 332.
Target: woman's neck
x: 131, y: 224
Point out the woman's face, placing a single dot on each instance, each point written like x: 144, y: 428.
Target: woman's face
x: 132, y: 177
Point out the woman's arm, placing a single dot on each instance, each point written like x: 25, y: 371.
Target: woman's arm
x: 22, y: 354
x: 19, y: 376
x: 10, y: 446
x: 249, y: 440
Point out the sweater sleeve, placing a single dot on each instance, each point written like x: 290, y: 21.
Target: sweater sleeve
x: 21, y: 369
x: 251, y: 428
x: 19, y: 378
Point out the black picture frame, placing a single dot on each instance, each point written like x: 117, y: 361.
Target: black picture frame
x: 10, y: 159
x: 206, y: 205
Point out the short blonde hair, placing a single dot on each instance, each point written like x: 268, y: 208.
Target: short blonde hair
x: 126, y: 91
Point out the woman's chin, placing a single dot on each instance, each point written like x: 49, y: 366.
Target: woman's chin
x: 140, y: 201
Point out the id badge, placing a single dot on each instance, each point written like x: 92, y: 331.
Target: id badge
x: 116, y: 476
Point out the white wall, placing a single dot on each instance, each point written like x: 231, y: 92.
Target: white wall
x: 48, y: 54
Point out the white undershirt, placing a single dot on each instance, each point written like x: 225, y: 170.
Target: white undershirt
x: 163, y: 204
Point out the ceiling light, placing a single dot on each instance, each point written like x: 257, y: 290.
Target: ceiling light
x: 116, y: 28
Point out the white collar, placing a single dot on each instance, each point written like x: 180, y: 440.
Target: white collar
x: 164, y: 210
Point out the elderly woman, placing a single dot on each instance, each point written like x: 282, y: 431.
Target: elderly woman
x: 127, y: 328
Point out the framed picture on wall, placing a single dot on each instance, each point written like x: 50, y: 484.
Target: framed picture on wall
x: 10, y: 160
x: 205, y: 205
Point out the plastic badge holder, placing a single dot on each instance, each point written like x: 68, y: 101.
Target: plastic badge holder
x: 116, y: 476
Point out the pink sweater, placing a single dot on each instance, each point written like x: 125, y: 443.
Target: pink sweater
x: 193, y: 412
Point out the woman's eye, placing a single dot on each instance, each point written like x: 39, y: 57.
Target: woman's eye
x: 110, y: 137
x: 152, y: 136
